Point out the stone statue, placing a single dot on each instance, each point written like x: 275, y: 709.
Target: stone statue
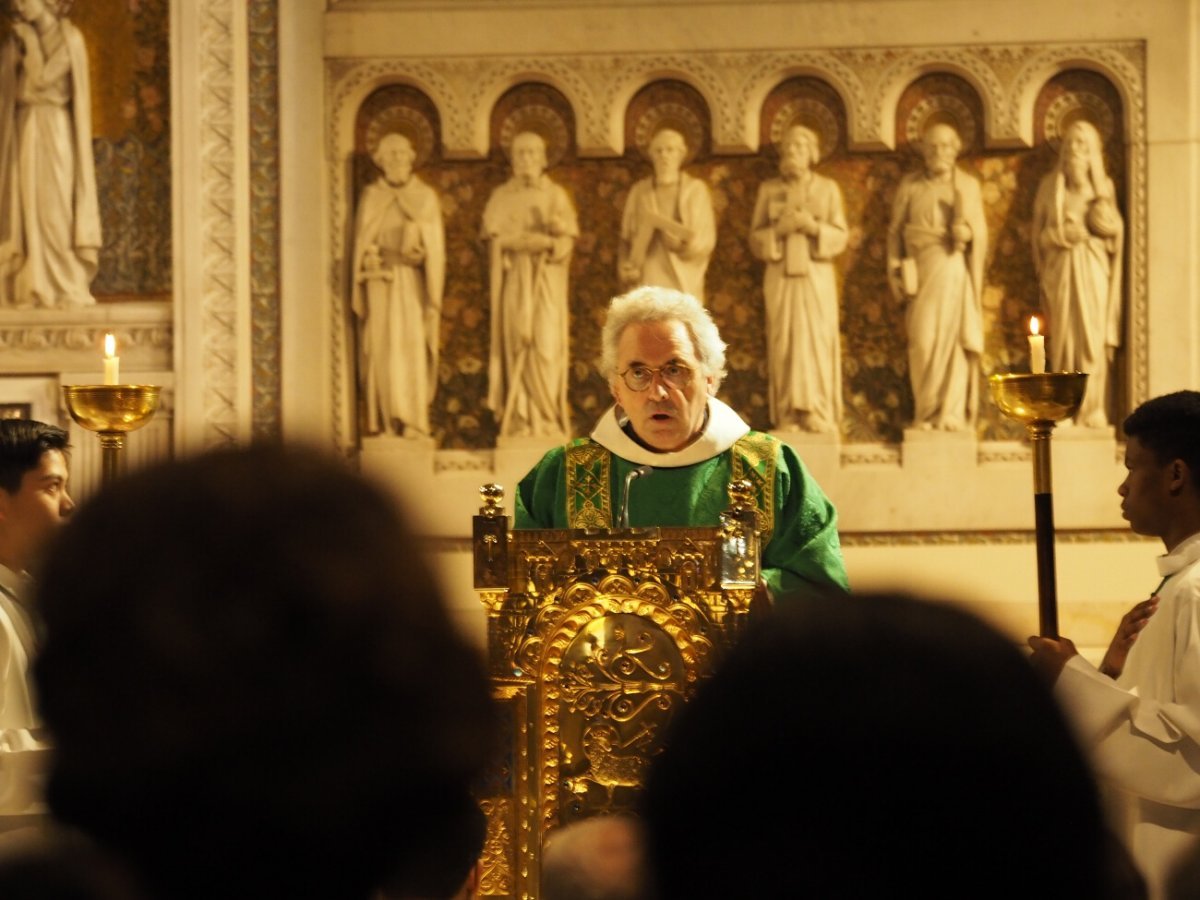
x: 937, y: 241
x: 668, y: 230
x: 1077, y: 245
x: 531, y: 227
x: 797, y: 229
x: 399, y: 271
x: 49, y: 215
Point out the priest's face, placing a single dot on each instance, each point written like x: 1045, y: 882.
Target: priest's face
x: 669, y: 413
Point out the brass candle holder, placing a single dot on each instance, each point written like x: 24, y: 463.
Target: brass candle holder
x: 1038, y: 402
x: 112, y: 411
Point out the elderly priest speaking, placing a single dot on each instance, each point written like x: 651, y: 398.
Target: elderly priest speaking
x: 664, y: 361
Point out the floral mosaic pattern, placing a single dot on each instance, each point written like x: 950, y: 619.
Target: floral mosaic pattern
x: 878, y: 398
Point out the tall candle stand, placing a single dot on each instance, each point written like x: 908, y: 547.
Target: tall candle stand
x: 112, y: 411
x: 1038, y: 402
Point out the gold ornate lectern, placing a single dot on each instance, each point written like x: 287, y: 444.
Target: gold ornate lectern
x: 595, y: 639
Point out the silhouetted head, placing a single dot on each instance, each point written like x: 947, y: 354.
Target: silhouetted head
x: 253, y: 685
x: 861, y: 746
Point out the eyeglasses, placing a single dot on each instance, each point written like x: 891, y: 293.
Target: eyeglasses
x: 638, y: 378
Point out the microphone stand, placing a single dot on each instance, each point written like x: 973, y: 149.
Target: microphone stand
x: 629, y: 479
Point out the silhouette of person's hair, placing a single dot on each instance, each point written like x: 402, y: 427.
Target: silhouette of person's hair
x: 873, y: 746
x: 252, y: 682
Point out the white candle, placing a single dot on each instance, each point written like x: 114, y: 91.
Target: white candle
x: 112, y: 362
x: 1037, y: 348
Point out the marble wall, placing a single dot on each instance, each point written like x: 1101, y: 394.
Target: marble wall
x: 876, y: 388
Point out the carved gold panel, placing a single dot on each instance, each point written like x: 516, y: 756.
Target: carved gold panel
x: 595, y: 641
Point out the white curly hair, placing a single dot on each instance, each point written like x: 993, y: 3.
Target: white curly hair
x: 661, y: 304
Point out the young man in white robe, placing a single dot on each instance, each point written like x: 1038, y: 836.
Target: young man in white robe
x: 1139, y: 712
x: 33, y: 504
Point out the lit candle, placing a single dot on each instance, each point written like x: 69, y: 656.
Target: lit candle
x: 1037, y: 348
x: 112, y: 362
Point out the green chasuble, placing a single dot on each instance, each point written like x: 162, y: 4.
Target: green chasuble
x: 580, y: 485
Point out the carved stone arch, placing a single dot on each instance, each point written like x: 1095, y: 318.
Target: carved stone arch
x: 1118, y: 70
x: 963, y: 64
x: 646, y: 71
x: 841, y: 79
x: 564, y: 78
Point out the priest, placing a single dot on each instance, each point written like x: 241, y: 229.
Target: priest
x: 664, y: 360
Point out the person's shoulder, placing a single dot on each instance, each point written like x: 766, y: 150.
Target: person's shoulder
x: 759, y: 443
x: 762, y: 436
x: 783, y: 451
x: 556, y: 454
x: 1190, y: 577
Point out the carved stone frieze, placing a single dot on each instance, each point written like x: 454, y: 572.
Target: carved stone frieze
x: 871, y: 455
x: 984, y: 538
x: 870, y: 81
x: 42, y: 338
x: 463, y: 461
x: 1004, y: 451
x: 71, y: 339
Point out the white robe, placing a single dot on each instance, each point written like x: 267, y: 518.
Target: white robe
x: 1143, y: 730
x: 22, y: 754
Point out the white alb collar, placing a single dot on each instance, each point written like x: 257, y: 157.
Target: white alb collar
x: 1185, y: 554
x: 12, y: 583
x: 723, y: 428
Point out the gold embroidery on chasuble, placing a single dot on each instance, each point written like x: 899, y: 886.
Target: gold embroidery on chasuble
x: 754, y: 460
x: 589, y: 491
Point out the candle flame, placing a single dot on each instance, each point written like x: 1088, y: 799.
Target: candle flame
x: 1033, y: 325
x: 110, y: 346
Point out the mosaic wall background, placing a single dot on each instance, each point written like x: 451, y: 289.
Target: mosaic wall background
x: 131, y: 95
x: 875, y: 378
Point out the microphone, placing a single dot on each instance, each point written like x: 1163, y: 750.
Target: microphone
x: 629, y: 479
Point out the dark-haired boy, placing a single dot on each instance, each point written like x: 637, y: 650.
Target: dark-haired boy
x: 1140, y: 711
x: 33, y: 504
